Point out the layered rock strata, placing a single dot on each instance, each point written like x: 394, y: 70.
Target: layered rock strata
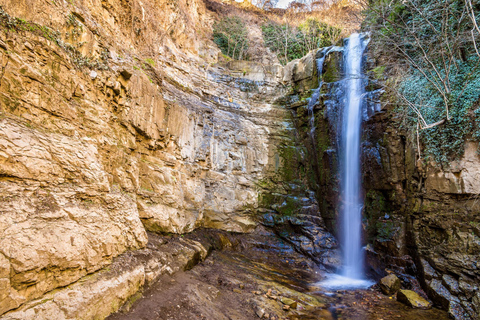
x: 117, y: 118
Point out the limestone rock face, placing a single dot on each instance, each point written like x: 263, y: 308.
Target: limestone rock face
x: 117, y: 118
x: 389, y: 284
x: 97, y: 296
x: 412, y: 299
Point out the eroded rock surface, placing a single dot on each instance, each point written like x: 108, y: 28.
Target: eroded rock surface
x: 117, y: 118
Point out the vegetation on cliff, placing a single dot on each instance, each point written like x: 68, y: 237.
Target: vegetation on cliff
x: 431, y: 51
x: 230, y: 34
x: 289, y: 33
x: 290, y: 42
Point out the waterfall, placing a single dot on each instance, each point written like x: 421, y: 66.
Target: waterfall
x: 350, y: 159
x: 351, y: 274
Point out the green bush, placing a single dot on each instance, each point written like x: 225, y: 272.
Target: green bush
x: 290, y: 43
x: 445, y: 142
x: 231, y: 36
x: 431, y: 43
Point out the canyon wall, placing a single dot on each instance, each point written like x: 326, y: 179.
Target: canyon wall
x: 118, y: 118
x: 426, y: 211
x: 420, y: 218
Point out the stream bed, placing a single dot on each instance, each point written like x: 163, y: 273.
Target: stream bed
x: 256, y: 276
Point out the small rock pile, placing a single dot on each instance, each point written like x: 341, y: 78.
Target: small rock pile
x: 391, y: 285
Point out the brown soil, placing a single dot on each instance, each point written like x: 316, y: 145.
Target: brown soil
x: 234, y: 283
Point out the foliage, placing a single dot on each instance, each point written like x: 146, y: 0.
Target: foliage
x: 231, y: 36
x: 290, y: 42
x: 446, y: 142
x: 434, y: 45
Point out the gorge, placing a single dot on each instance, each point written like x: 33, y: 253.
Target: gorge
x: 144, y: 174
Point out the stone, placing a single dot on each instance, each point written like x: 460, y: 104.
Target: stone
x: 126, y: 74
x: 428, y: 271
x: 451, y: 284
x: 413, y: 299
x: 440, y: 294
x: 456, y: 311
x: 104, y: 292
x: 260, y: 312
x: 90, y: 161
x: 289, y: 302
x: 389, y: 284
x: 476, y: 302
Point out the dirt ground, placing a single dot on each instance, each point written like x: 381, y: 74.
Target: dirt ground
x: 250, y: 279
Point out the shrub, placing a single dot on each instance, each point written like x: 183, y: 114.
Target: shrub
x: 231, y: 36
x: 290, y: 42
x: 432, y: 45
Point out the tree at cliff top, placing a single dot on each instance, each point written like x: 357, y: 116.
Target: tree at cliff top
x: 432, y: 54
x: 290, y: 33
x: 231, y: 36
x: 291, y: 42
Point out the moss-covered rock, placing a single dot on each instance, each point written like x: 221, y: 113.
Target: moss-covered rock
x: 413, y: 299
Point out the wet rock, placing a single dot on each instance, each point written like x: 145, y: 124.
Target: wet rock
x: 389, y: 284
x: 428, y: 271
x: 289, y: 302
x: 412, y: 299
x: 440, y: 294
x: 476, y: 302
x: 451, y: 284
x: 467, y: 287
x: 456, y: 311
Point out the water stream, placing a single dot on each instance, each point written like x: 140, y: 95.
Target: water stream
x: 351, y: 274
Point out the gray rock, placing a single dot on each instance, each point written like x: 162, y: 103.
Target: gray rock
x: 451, y: 284
x: 456, y: 311
x: 476, y: 303
x: 428, y: 272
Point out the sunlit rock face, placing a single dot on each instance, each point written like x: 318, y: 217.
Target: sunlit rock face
x: 116, y: 119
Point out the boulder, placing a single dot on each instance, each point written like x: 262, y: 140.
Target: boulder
x: 412, y: 299
x: 389, y: 284
x: 289, y: 302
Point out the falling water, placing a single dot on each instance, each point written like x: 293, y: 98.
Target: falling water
x: 352, y: 273
x: 352, y: 120
x: 316, y: 94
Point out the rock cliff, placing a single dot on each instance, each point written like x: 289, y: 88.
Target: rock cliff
x: 117, y: 118
x: 420, y: 218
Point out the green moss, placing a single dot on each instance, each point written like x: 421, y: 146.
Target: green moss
x: 331, y: 73
x: 376, y: 207
x: 378, y: 72
x: 289, y: 207
x: 150, y: 62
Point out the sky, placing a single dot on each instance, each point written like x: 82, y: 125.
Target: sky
x: 283, y: 3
